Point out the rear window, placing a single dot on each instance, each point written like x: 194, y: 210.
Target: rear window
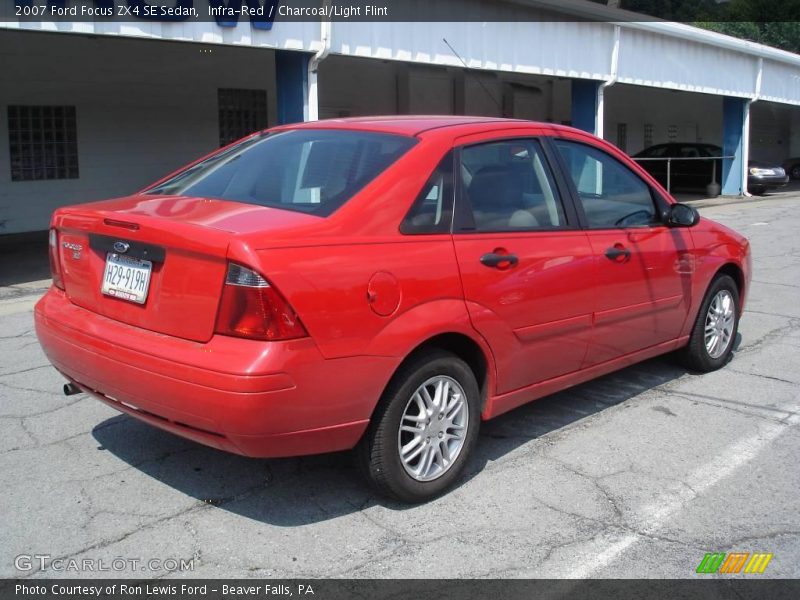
x: 314, y: 171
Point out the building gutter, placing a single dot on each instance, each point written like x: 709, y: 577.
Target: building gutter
x: 746, y: 126
x: 326, y: 30
x: 601, y: 91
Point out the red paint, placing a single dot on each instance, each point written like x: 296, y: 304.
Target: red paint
x: 367, y: 296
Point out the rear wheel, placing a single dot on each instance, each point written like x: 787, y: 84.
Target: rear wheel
x: 424, y: 428
x: 712, y: 338
x: 795, y: 172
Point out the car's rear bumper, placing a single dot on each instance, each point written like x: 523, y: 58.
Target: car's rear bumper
x: 248, y: 397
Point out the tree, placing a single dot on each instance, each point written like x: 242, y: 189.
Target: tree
x: 771, y: 22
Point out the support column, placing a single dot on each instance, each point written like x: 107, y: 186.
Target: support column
x: 291, y: 76
x: 736, y: 143
x: 585, y: 106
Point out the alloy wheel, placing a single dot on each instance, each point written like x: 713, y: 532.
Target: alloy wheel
x: 720, y: 321
x: 433, y: 428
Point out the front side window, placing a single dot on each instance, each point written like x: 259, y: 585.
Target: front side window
x: 306, y: 170
x: 611, y: 195
x: 508, y: 186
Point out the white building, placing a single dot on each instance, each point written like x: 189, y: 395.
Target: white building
x: 92, y: 110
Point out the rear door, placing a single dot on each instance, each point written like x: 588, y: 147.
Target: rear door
x: 643, y: 268
x: 526, y: 267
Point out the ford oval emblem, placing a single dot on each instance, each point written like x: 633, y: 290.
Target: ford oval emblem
x: 121, y: 247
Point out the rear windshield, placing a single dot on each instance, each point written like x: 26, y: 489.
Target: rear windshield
x: 314, y: 171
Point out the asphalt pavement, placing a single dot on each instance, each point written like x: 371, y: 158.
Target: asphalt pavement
x: 636, y: 474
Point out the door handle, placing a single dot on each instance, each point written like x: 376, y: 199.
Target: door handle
x: 499, y: 261
x: 618, y: 253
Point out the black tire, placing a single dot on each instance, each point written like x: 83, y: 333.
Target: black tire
x: 378, y: 454
x: 695, y: 355
x: 795, y: 172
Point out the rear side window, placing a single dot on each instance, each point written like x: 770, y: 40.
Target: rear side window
x: 313, y: 171
x: 611, y: 195
x: 432, y: 211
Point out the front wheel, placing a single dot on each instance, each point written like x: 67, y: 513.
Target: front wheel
x: 712, y: 338
x: 423, y: 429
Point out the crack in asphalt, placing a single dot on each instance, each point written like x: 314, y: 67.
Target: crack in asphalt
x: 196, y: 506
x: 789, y: 285
x: 28, y: 370
x: 760, y: 537
x: 41, y: 413
x: 722, y: 403
x: 27, y: 333
x: 771, y: 377
x: 773, y: 336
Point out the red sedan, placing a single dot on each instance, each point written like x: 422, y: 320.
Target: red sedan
x: 383, y: 284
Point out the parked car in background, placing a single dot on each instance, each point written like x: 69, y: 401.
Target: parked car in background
x: 792, y: 167
x: 693, y: 173
x: 763, y: 177
x: 383, y: 284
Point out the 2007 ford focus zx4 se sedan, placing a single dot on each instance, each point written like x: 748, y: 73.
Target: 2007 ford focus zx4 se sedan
x: 382, y: 284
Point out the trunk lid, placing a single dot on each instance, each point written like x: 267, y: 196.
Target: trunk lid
x: 184, y: 239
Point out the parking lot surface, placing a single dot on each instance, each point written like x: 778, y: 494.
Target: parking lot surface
x: 637, y: 474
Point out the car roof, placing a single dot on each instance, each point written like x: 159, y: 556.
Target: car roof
x: 414, y: 125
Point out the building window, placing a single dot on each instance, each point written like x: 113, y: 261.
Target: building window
x: 241, y: 112
x: 672, y: 133
x: 43, y: 142
x: 622, y: 136
x: 648, y: 135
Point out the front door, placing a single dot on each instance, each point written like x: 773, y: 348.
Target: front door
x: 643, y: 267
x: 526, y: 267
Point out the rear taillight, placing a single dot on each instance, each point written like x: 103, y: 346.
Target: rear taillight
x: 252, y: 308
x: 55, y: 263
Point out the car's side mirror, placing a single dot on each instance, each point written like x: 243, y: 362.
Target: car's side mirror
x: 682, y: 215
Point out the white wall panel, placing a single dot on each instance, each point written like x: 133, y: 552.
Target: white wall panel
x: 653, y: 60
x: 561, y: 49
x: 671, y: 116
x: 287, y: 36
x: 780, y: 83
x: 143, y: 109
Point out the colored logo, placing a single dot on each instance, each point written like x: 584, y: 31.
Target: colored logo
x: 735, y: 562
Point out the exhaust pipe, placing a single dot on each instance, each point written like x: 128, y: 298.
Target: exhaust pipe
x: 70, y: 389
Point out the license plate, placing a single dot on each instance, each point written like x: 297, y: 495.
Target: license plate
x: 126, y: 278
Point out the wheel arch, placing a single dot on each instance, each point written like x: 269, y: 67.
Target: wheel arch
x: 461, y: 345
x: 736, y: 273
